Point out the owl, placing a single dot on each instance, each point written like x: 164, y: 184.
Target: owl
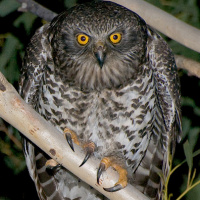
x: 108, y: 82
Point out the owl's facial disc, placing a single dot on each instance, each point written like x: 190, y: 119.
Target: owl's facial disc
x: 100, y: 52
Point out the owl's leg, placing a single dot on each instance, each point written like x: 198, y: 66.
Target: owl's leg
x: 107, y: 162
x: 72, y: 137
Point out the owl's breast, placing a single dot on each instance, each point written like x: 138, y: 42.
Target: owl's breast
x: 113, y: 119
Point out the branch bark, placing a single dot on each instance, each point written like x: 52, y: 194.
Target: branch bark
x: 190, y: 65
x: 36, y: 9
x: 165, y: 23
x: 20, y: 115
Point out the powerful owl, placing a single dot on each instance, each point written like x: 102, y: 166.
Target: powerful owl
x: 107, y: 81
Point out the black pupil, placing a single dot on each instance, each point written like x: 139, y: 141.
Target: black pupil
x: 115, y: 37
x: 83, y: 38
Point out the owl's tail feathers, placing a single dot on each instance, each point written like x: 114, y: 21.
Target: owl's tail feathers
x: 45, y: 182
x: 148, y: 177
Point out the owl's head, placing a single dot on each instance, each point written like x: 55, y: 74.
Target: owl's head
x: 98, y: 45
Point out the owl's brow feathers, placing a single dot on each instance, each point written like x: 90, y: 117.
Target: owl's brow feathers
x: 121, y: 60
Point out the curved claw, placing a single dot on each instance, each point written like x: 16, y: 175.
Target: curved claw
x: 88, y: 154
x: 52, y: 169
x: 114, y: 188
x: 89, y: 150
x: 69, y: 140
x: 102, y: 168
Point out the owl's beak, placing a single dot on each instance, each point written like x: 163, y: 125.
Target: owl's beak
x: 100, y: 53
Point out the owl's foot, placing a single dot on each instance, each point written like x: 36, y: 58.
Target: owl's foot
x: 52, y: 166
x: 72, y: 137
x: 106, y: 162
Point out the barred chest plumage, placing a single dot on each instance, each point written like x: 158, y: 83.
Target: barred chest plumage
x: 118, y: 121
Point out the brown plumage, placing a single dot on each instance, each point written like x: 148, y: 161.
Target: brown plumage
x: 99, y: 70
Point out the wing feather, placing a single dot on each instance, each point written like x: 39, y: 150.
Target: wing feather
x: 167, y: 83
x: 35, y: 61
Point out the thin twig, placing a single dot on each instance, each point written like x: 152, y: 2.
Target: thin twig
x: 4, y: 129
x: 37, y: 9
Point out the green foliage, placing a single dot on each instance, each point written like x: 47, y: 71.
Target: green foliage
x: 8, y: 58
x: 69, y: 3
x: 6, y: 7
x: 11, y: 148
x: 26, y: 20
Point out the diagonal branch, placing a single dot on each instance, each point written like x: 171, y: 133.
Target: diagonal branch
x: 165, y: 23
x: 36, y: 9
x: 20, y: 115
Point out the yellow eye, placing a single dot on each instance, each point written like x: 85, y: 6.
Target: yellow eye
x: 82, y: 39
x: 115, y: 38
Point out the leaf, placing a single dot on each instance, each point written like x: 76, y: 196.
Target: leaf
x: 186, y: 101
x: 8, y: 6
x: 8, y: 59
x: 186, y: 127
x: 188, y: 154
x: 193, y: 136
x: 26, y: 19
x: 8, y: 50
x: 70, y: 3
x: 196, y: 153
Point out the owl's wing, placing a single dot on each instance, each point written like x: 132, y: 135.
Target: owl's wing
x: 31, y: 74
x: 166, y: 129
x: 167, y: 84
x: 33, y: 69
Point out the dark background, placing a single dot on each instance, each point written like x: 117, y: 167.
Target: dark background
x: 15, y: 33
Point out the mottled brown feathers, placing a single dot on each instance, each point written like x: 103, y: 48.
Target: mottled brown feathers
x: 129, y: 107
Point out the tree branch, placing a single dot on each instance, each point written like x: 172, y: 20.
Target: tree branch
x: 36, y: 9
x: 165, y: 23
x: 190, y: 65
x: 20, y: 115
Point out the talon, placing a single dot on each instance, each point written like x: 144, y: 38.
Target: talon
x: 52, y: 166
x: 114, y: 188
x: 69, y: 140
x: 71, y: 136
x: 102, y: 168
x: 88, y: 154
x: 122, y: 182
x: 89, y: 150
